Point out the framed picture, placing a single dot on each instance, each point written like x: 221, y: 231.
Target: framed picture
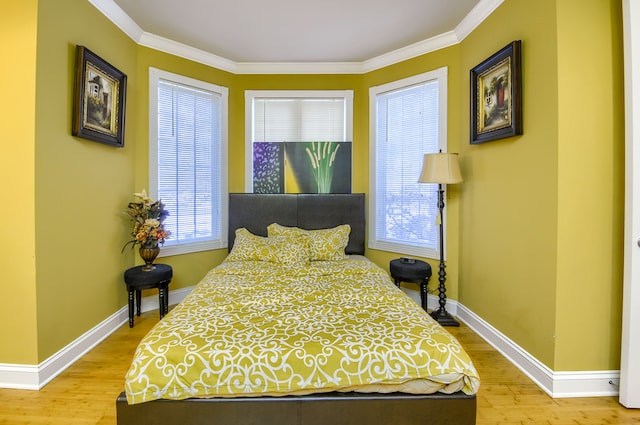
x: 302, y: 167
x: 496, y: 96
x: 99, y: 100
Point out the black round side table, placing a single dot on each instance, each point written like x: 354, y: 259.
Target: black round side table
x: 136, y: 280
x: 414, y: 271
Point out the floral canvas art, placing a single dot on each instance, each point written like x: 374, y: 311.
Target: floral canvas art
x: 302, y: 167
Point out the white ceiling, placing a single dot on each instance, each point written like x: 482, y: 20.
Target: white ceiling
x: 350, y: 33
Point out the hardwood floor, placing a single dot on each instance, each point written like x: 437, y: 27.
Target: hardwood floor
x: 86, y: 392
x: 507, y: 396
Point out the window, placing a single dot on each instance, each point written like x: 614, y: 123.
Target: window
x: 188, y: 160
x: 282, y: 127
x: 408, y: 119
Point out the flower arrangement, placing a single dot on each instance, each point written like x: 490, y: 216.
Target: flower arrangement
x: 147, y: 216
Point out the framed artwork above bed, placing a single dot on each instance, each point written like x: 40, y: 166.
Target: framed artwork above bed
x: 301, y: 167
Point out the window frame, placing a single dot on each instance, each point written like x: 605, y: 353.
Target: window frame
x: 440, y: 75
x: 154, y: 76
x: 250, y: 95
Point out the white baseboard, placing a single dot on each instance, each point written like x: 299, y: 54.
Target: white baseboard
x: 555, y: 384
x: 31, y: 377
x: 20, y: 377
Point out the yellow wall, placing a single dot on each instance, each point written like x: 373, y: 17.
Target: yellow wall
x: 18, y: 31
x: 81, y: 186
x: 590, y: 184
x: 541, y: 220
x: 508, y: 225
x: 534, y: 232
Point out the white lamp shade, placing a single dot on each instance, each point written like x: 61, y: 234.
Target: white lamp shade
x: 440, y: 168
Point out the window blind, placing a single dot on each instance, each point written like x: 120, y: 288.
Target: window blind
x: 299, y: 119
x: 406, y: 127
x: 189, y: 161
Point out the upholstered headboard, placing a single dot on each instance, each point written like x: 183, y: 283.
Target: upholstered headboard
x: 307, y: 211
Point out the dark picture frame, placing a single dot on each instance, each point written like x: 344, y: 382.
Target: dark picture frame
x: 496, y: 95
x: 99, y: 99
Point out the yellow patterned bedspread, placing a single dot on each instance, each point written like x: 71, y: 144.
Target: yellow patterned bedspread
x: 255, y: 328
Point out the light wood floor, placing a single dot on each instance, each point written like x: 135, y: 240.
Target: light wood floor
x: 86, y: 392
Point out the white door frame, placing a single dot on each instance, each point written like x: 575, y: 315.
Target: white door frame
x: 630, y: 366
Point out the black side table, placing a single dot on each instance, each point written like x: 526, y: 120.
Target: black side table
x: 136, y: 279
x: 415, y: 272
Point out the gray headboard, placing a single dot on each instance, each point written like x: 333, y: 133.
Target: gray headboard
x: 307, y: 211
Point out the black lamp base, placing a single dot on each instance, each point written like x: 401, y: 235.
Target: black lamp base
x: 441, y: 315
x: 444, y: 318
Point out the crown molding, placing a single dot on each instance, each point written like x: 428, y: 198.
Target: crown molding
x: 299, y: 68
x: 474, y: 18
x: 414, y: 50
x: 182, y: 50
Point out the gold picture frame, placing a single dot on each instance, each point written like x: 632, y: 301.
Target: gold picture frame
x: 99, y: 99
x: 496, y: 96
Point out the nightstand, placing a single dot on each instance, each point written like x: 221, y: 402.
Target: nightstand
x: 414, y: 271
x: 136, y: 280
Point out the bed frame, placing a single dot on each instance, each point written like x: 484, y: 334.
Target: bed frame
x: 255, y: 212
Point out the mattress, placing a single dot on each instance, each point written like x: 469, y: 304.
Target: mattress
x: 257, y: 328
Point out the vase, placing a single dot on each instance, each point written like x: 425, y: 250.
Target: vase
x: 149, y: 252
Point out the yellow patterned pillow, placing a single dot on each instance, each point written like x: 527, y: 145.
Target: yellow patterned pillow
x: 325, y: 244
x: 280, y: 249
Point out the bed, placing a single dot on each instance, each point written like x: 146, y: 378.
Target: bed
x: 296, y: 326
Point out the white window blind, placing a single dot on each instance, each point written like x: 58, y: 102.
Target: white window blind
x: 406, y: 123
x: 190, y: 162
x: 299, y: 119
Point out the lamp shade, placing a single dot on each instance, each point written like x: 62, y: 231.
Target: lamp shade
x: 440, y: 168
